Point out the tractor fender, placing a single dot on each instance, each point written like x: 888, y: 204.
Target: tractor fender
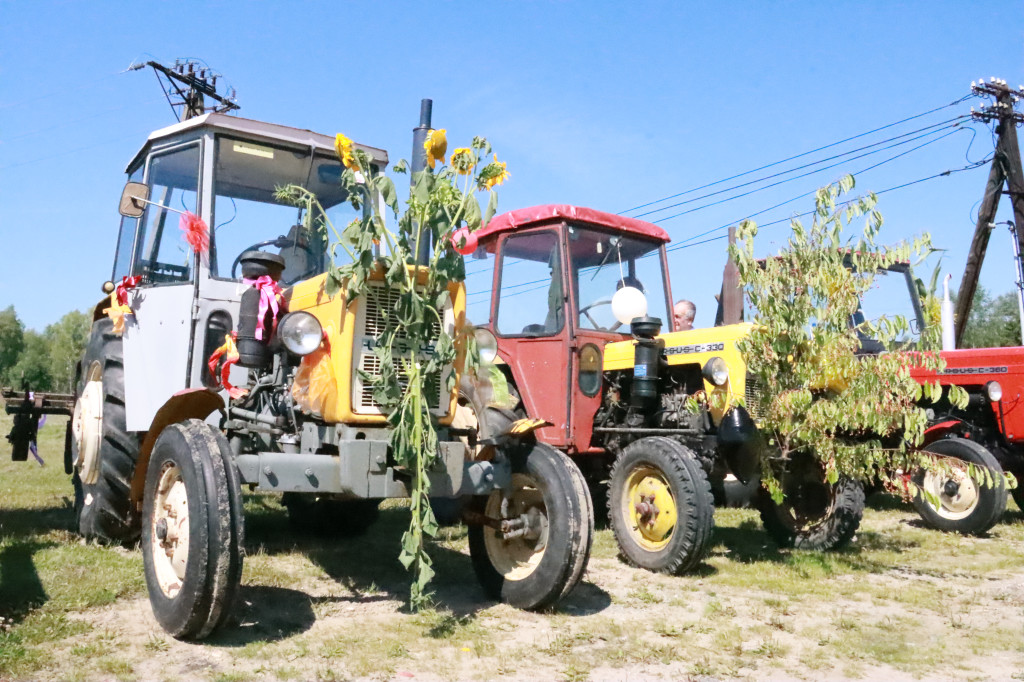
x: 191, y: 403
x: 941, y: 430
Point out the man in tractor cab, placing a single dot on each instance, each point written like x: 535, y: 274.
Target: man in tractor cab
x: 683, y: 314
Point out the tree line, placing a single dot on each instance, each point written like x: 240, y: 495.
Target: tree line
x: 42, y: 361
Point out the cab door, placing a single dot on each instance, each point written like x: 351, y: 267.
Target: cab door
x: 157, y: 337
x: 531, y: 326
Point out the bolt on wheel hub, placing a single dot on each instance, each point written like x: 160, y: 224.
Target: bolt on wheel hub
x: 170, y: 538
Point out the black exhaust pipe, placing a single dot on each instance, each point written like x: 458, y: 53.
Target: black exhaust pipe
x: 419, y: 163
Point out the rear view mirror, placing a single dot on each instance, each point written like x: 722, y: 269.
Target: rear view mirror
x: 134, y: 199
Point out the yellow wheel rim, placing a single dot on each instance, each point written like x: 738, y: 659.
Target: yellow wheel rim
x: 649, y: 507
x: 517, y: 559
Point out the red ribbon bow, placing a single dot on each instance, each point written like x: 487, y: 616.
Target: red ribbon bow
x: 197, y: 234
x: 121, y: 290
x: 229, y: 351
x: 269, y: 293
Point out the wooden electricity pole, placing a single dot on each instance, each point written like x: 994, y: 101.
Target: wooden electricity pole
x: 1006, y: 169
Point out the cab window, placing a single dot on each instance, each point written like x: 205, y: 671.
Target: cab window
x: 531, y: 300
x: 161, y: 253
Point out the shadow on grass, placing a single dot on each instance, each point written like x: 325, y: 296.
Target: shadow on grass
x: 368, y: 567
x: 21, y: 590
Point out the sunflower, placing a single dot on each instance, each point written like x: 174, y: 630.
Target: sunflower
x: 343, y: 148
x: 463, y: 160
x: 494, y: 174
x: 436, y: 145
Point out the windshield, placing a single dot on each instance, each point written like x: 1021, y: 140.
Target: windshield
x: 247, y: 216
x: 603, y: 263
x: 892, y: 294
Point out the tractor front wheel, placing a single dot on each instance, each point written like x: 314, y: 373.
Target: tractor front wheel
x: 661, y: 506
x: 192, y: 530
x: 814, y: 514
x: 536, y: 544
x: 965, y: 505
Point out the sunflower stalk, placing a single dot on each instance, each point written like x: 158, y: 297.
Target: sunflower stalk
x: 410, y: 379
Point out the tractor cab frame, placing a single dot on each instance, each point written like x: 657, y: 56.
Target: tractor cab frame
x: 556, y: 270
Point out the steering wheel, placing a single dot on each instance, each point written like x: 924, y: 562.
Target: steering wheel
x: 280, y: 242
x: 585, y: 310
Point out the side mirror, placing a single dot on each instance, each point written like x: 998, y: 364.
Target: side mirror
x: 134, y: 199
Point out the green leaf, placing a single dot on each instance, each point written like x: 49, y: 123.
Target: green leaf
x: 492, y: 207
x: 472, y: 212
x: 387, y: 189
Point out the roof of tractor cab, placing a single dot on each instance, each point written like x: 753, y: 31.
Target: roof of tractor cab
x: 539, y: 215
x: 255, y: 130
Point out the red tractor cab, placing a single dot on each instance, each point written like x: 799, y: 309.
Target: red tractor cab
x: 556, y: 269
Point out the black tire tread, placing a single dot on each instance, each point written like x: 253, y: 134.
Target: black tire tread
x: 834, y: 532
x: 992, y: 502
x: 108, y: 517
x: 692, y: 537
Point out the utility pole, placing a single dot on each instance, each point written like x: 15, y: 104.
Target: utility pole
x: 1006, y: 169
x: 188, y: 84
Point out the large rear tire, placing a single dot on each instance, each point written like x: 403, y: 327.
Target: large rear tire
x: 965, y: 505
x: 103, y: 451
x: 192, y: 530
x: 660, y: 505
x: 540, y: 567
x: 813, y: 514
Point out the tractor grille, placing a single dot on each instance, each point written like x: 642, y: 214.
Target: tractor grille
x: 371, y: 322
x: 751, y: 395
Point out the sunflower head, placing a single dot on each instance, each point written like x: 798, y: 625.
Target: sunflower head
x: 493, y: 174
x: 436, y: 146
x: 343, y: 148
x: 463, y: 160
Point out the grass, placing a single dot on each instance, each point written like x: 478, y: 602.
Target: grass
x: 903, y: 597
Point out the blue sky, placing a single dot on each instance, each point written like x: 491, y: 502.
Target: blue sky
x: 602, y: 104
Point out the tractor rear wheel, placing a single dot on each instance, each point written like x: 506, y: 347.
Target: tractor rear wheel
x: 545, y: 550
x: 192, y: 530
x: 965, y: 505
x: 661, y: 506
x: 814, y: 514
x: 103, y: 451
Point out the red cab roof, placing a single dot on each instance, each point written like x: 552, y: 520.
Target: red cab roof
x: 537, y: 215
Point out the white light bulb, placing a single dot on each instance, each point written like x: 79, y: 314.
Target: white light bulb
x: 629, y: 303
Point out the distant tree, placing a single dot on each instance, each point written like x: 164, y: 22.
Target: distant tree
x: 33, y: 366
x: 67, y: 338
x: 12, y: 341
x: 993, y: 322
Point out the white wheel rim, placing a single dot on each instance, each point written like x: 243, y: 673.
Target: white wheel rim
x: 517, y: 558
x: 952, y: 507
x: 87, y: 427
x: 169, y: 535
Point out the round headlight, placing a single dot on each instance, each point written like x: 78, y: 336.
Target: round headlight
x: 994, y: 391
x: 300, y: 332
x: 486, y: 344
x: 716, y: 371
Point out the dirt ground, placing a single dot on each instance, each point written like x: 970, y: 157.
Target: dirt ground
x: 752, y: 612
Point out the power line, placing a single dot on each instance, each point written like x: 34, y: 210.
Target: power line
x: 815, y: 163
x: 685, y: 244
x: 956, y: 129
x: 798, y: 156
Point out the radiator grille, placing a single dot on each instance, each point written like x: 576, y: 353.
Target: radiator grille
x: 751, y: 395
x: 371, y: 322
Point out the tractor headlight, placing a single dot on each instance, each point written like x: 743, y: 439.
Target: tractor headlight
x: 300, y: 332
x: 486, y: 344
x: 716, y: 371
x: 994, y: 391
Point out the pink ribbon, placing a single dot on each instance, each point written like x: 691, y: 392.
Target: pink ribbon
x: 269, y: 291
